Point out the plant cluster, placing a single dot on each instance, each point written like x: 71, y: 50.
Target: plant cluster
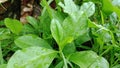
x: 75, y: 34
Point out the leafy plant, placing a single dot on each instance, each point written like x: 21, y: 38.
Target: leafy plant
x: 70, y: 36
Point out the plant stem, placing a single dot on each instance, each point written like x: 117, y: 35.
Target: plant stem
x: 65, y: 63
x: 106, y: 50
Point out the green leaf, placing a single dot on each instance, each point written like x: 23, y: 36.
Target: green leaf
x: 59, y: 65
x: 32, y: 21
x: 69, y: 49
x: 82, y: 39
x: 14, y: 25
x: 69, y: 6
x: 107, y: 8
x: 92, y: 24
x: 88, y: 59
x: 4, y: 33
x: 32, y: 57
x: 45, y: 22
x: 28, y: 29
x: 31, y: 40
x: 88, y: 8
x: 74, y: 28
x: 57, y: 31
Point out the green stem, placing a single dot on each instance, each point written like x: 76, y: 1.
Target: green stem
x: 102, y: 17
x: 106, y: 51
x: 115, y: 62
x: 65, y: 63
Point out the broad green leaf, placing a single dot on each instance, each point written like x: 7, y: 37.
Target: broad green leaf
x: 32, y: 21
x: 14, y: 25
x: 88, y: 59
x: 3, y: 65
x: 88, y: 8
x: 69, y: 6
x: 74, y: 28
x: 32, y: 57
x: 57, y: 31
x: 31, y: 40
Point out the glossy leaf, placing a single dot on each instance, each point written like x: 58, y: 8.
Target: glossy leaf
x: 69, y: 6
x: 88, y: 8
x: 14, y: 25
x: 57, y: 31
x: 31, y: 40
x: 88, y: 59
x: 32, y: 57
x: 74, y: 28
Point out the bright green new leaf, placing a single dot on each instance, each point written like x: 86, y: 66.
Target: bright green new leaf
x: 31, y: 40
x: 32, y: 21
x: 88, y: 8
x: 57, y: 31
x: 88, y: 59
x: 32, y: 57
x: 14, y: 25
